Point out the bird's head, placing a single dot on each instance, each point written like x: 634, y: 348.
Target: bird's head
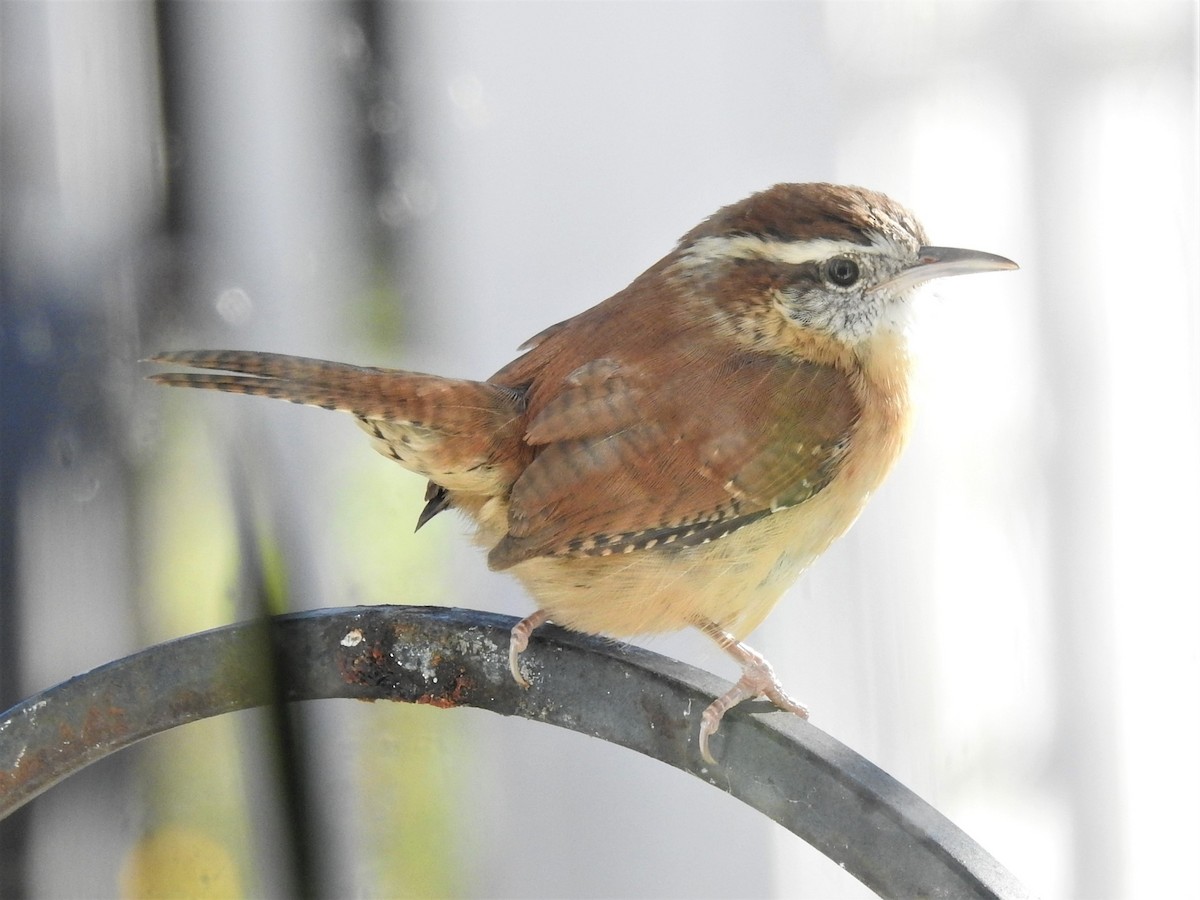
x: 835, y: 262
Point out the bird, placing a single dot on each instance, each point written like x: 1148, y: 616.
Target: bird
x: 675, y: 456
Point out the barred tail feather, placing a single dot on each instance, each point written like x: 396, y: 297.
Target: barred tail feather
x: 394, y: 395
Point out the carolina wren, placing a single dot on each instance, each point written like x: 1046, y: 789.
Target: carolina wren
x: 676, y: 455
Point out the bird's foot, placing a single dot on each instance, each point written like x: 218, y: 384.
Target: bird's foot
x: 758, y: 680
x: 519, y: 640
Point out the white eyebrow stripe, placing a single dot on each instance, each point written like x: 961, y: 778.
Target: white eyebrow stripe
x: 793, y: 253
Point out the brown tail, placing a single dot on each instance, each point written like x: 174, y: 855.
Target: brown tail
x: 453, y: 406
x: 465, y: 436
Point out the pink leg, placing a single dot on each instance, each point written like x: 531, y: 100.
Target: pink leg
x: 758, y: 680
x: 520, y: 640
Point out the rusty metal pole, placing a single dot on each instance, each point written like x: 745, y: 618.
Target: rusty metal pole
x: 847, y: 808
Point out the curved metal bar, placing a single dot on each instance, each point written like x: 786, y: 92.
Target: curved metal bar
x: 851, y: 811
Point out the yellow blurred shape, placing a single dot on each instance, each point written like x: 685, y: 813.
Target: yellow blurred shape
x: 179, y: 862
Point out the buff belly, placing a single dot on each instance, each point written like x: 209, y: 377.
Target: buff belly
x: 734, y: 581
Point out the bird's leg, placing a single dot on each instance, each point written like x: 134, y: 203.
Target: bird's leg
x: 520, y: 640
x: 758, y: 680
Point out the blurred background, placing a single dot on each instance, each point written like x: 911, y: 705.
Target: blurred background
x: 1011, y: 628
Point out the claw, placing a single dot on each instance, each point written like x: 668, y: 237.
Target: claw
x: 519, y: 640
x: 758, y: 680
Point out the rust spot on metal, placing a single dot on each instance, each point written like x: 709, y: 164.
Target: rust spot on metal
x: 364, y: 664
x: 411, y: 671
x: 102, y: 726
x: 29, y: 769
x: 455, y: 696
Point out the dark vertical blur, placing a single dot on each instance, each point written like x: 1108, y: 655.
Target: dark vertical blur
x: 284, y: 763
x: 103, y: 251
x: 78, y: 197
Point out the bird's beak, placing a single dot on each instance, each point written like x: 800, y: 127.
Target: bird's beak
x: 940, y: 262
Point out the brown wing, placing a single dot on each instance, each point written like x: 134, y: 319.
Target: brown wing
x: 704, y: 444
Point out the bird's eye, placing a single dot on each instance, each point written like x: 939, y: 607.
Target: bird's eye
x: 842, y: 271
